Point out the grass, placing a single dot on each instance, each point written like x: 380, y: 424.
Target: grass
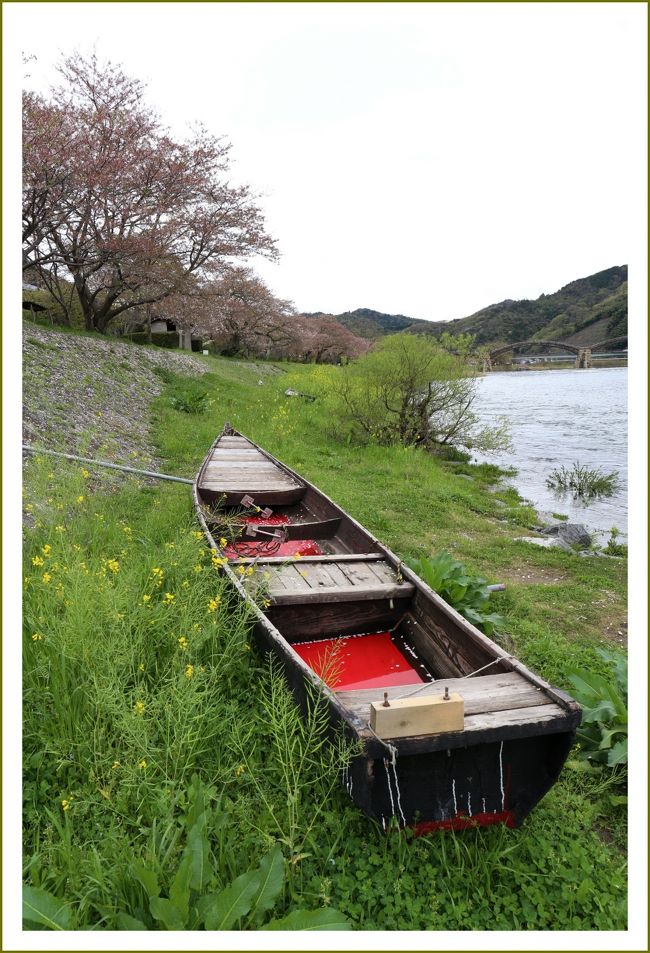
x: 128, y: 698
x: 583, y: 481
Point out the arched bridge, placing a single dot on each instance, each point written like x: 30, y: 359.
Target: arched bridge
x: 583, y: 354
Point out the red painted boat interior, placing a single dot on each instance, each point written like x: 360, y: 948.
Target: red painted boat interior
x: 359, y: 661
x: 267, y: 547
x: 276, y: 519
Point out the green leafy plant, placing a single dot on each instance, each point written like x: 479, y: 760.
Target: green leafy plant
x: 468, y: 594
x: 192, y: 398
x: 583, y: 481
x: 603, y: 733
x: 195, y: 897
x: 613, y: 547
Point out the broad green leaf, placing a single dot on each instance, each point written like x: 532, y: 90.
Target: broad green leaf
x: 125, y: 922
x: 167, y: 912
x: 233, y: 902
x: 311, y: 920
x: 42, y: 907
x: 617, y: 800
x: 271, y: 871
x: 179, y: 893
x: 604, y: 711
x: 148, y: 879
x: 618, y: 754
x: 198, y: 850
x: 608, y: 736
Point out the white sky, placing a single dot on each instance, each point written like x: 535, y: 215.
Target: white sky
x: 426, y: 159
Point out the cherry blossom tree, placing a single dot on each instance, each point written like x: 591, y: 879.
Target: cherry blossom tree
x: 111, y: 201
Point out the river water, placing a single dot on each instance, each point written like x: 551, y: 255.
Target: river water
x: 557, y: 418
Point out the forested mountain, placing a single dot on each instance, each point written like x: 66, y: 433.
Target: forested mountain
x: 584, y: 311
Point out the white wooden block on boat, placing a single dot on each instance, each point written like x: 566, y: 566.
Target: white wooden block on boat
x: 418, y: 716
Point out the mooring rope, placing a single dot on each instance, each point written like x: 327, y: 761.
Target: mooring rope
x: 421, y: 688
x: 105, y: 463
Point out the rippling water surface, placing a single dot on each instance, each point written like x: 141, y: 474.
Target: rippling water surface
x: 558, y: 418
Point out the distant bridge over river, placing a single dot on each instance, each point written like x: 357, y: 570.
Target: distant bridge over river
x: 583, y: 355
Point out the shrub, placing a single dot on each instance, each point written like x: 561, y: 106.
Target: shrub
x: 583, y: 481
x: 468, y: 595
x: 409, y: 390
x: 603, y: 733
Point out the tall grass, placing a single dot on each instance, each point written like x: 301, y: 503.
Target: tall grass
x: 130, y: 694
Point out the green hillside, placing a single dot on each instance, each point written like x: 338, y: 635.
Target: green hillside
x: 587, y: 310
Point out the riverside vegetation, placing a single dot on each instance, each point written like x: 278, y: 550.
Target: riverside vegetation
x: 167, y: 776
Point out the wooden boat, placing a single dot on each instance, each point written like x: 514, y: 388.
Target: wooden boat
x: 454, y: 732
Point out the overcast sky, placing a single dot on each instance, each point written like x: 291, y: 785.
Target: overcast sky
x: 427, y: 159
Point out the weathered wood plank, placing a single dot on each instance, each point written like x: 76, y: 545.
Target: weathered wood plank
x: 331, y: 560
x: 429, y: 651
x: 482, y: 694
x: 336, y: 593
x: 298, y: 623
x: 293, y: 579
x: 360, y: 574
x: 316, y: 574
x: 538, y: 714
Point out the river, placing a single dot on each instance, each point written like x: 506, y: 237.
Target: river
x: 557, y: 418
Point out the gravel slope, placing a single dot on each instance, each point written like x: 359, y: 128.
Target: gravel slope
x: 93, y: 396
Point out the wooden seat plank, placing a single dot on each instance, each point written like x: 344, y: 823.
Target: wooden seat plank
x: 338, y: 594
x: 481, y: 694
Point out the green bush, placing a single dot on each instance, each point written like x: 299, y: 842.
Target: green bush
x: 467, y: 594
x: 603, y: 733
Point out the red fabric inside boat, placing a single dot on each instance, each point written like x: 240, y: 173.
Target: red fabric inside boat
x: 264, y: 547
x: 359, y: 661
x: 277, y: 519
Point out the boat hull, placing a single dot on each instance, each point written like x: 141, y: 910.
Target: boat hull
x: 517, y: 729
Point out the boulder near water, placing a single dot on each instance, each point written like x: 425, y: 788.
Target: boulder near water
x: 575, y: 534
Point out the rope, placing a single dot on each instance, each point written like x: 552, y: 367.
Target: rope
x: 421, y: 688
x: 105, y: 463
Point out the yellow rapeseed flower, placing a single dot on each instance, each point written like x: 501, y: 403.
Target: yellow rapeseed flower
x: 198, y: 568
x: 85, y: 473
x: 37, y: 637
x: 169, y: 598
x: 297, y: 556
x: 120, y: 615
x: 189, y: 671
x: 46, y: 550
x: 142, y: 764
x: 197, y: 534
x: 65, y: 804
x: 47, y: 577
x: 113, y: 565
x: 239, y: 770
x: 60, y: 529
x: 146, y: 598
x: 115, y: 765
x: 223, y: 542
x: 214, y: 604
x: 141, y: 667
x: 80, y: 498
x: 182, y: 641
x: 138, y: 708
x: 241, y: 570
x: 249, y: 571
x: 37, y: 561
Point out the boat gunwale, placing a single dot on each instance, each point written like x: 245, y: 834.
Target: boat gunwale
x: 418, y: 743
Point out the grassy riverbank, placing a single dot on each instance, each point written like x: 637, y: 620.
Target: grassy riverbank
x: 139, y: 675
